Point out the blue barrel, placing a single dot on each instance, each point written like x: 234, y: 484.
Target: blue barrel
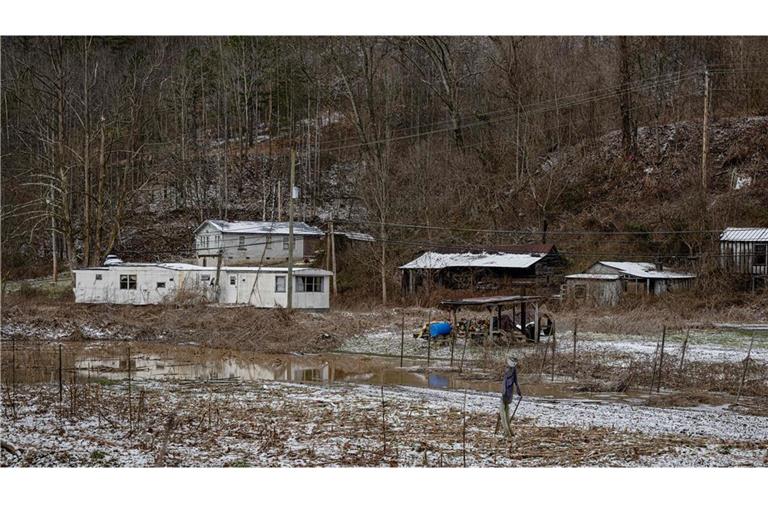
x: 439, y: 329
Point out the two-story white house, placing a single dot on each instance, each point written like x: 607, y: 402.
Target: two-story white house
x: 254, y: 243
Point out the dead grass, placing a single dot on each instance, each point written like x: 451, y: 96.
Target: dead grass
x: 186, y: 424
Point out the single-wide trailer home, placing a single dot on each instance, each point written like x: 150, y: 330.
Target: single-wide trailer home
x: 254, y: 243
x: 155, y: 283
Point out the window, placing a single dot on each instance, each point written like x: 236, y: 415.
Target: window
x: 580, y: 291
x: 127, y: 281
x: 761, y: 255
x: 170, y: 279
x: 285, y: 243
x: 161, y: 284
x: 205, y: 277
x: 280, y: 284
x: 233, y: 280
x: 241, y: 247
x: 309, y: 284
x: 98, y: 277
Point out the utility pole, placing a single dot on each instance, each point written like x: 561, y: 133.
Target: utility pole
x: 517, y: 142
x: 333, y: 257
x: 290, y: 232
x: 54, y: 249
x: 705, y: 140
x: 704, y: 152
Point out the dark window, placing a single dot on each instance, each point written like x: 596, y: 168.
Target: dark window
x: 161, y: 284
x: 241, y: 247
x: 280, y: 284
x: 285, y: 243
x: 205, y: 277
x: 233, y: 280
x: 127, y: 281
x: 580, y: 291
x: 98, y: 277
x: 309, y: 284
x: 761, y: 254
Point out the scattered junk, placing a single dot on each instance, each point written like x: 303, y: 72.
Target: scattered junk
x: 744, y: 251
x: 513, y: 316
x: 740, y: 181
x: 434, y: 330
x: 117, y: 282
x: 605, y: 282
x: 260, y: 243
x: 531, y: 266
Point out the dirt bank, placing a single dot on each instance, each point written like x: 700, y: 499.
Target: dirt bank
x: 247, y: 328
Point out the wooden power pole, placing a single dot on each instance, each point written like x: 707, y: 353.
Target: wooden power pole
x: 290, y: 232
x: 705, y: 139
x: 333, y: 257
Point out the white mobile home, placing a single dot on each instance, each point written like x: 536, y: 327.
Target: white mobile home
x: 154, y: 283
x: 253, y: 243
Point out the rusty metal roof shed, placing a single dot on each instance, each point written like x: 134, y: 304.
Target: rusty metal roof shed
x: 744, y: 235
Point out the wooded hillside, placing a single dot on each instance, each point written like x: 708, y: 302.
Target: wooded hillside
x: 117, y: 144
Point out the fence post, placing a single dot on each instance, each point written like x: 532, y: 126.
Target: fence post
x: 554, y: 348
x: 453, y: 333
x: 402, y: 339
x: 130, y: 411
x: 661, y: 358
x: 13, y: 366
x: 383, y: 422
x: 61, y: 385
x: 429, y: 337
x: 746, y: 365
x: 575, y: 325
x: 464, y: 349
x: 685, y: 344
x: 464, y: 430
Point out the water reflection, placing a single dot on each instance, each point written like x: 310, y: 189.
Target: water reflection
x: 326, y: 370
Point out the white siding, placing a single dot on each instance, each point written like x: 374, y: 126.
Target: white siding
x: 255, y: 288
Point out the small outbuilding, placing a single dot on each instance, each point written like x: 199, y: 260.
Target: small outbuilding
x: 745, y: 251
x: 534, y: 265
x: 604, y: 282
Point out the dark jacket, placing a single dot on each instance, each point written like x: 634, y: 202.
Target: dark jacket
x: 510, y: 382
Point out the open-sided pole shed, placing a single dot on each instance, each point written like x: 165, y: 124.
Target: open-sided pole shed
x: 494, y: 306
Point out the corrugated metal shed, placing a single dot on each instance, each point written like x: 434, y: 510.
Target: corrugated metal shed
x: 744, y: 235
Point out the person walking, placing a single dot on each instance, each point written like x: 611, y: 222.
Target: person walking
x: 508, y: 393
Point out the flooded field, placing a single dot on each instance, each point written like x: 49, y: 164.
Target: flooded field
x: 114, y: 403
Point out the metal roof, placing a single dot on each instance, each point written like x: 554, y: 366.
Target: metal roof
x: 744, y: 235
x: 602, y: 277
x: 645, y: 270
x: 492, y: 301
x: 436, y: 260
x: 262, y: 227
x: 197, y: 268
x: 354, y: 235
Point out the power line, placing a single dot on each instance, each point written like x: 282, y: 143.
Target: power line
x: 530, y: 232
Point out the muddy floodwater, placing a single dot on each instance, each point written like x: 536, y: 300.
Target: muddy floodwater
x: 106, y: 362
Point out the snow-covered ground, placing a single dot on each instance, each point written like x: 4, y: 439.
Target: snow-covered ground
x: 288, y: 424
x: 705, y: 346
